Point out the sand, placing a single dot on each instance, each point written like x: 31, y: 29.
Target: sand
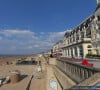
x: 26, y: 73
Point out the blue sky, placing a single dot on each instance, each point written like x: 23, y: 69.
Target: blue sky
x: 32, y: 26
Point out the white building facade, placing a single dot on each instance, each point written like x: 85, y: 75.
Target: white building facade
x: 58, y: 46
x: 85, y: 38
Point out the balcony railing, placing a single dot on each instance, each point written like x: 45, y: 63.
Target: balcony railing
x: 86, y: 39
x: 96, y: 40
x: 77, y: 41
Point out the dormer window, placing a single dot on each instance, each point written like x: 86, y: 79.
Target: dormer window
x: 88, y: 33
x: 86, y: 25
x: 77, y: 37
x: 98, y: 18
x: 89, y: 46
x: 82, y: 34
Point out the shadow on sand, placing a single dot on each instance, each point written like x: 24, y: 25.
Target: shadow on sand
x: 23, y: 77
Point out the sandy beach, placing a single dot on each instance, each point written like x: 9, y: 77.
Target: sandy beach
x: 26, y: 72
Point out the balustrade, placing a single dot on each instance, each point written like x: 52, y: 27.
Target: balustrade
x: 76, y: 71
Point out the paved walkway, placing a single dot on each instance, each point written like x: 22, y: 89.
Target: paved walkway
x: 47, y: 78
x: 51, y: 79
x: 38, y: 84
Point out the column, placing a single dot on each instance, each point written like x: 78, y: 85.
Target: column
x: 63, y: 52
x: 79, y: 35
x: 84, y: 33
x: 66, y: 51
x: 78, y: 52
x: 69, y: 52
x: 73, y: 51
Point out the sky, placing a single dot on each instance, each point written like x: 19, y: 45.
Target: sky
x: 33, y: 26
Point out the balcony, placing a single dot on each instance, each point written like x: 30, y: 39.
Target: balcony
x: 86, y: 39
x: 83, y: 40
x: 97, y: 40
x: 77, y: 41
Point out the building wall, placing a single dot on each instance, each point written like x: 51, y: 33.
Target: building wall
x: 85, y: 36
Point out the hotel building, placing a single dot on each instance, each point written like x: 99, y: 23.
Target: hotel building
x: 58, y: 46
x: 84, y: 39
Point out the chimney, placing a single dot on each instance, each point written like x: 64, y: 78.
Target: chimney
x: 98, y: 4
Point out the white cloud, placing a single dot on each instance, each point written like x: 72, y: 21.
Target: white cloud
x: 26, y: 41
x: 55, y: 36
x: 18, y: 33
x: 42, y: 33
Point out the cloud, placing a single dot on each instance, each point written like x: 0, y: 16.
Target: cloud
x: 42, y: 33
x: 27, y: 41
x: 0, y: 38
x: 16, y: 32
x: 55, y: 36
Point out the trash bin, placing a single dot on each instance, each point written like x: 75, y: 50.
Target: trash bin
x: 15, y: 76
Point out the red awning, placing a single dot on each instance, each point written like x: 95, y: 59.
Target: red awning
x: 58, y: 53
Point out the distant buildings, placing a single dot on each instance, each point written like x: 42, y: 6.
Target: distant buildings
x: 58, y: 46
x: 84, y: 40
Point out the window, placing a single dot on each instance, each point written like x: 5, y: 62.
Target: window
x: 73, y: 39
x: 86, y: 25
x: 70, y: 39
x: 97, y: 52
x: 89, y: 51
x: 71, y: 52
x: 77, y: 37
x: 81, y: 51
x: 98, y: 26
x: 89, y: 46
x: 98, y: 18
x: 88, y: 33
x: 82, y: 35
